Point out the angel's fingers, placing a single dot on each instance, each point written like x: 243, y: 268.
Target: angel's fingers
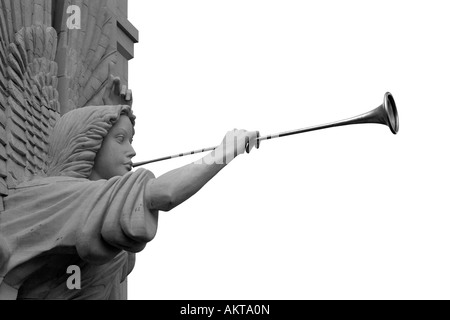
x: 129, y: 96
x: 111, y: 68
x: 116, y: 86
x: 252, y: 140
x: 123, y: 91
x: 257, y: 139
x: 247, y: 144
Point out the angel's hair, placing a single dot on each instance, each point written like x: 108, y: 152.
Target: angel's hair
x: 78, y: 136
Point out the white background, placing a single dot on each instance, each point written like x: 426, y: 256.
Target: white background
x: 345, y: 213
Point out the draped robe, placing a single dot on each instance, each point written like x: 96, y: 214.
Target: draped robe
x: 64, y: 219
x: 54, y: 222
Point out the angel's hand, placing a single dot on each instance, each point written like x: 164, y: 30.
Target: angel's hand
x: 115, y: 93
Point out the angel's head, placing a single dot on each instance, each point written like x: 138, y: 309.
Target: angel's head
x: 92, y: 142
x: 114, y: 157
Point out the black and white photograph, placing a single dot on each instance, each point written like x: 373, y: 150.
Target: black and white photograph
x: 224, y: 150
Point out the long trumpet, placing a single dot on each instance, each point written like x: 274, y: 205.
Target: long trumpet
x: 385, y: 114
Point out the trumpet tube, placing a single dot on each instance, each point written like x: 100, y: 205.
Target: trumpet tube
x: 385, y: 114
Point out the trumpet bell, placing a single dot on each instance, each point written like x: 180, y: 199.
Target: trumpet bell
x: 385, y: 114
x: 391, y: 113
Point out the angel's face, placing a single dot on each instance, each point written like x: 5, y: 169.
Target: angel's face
x: 114, y: 157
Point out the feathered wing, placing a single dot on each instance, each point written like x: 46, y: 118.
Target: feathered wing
x: 45, y: 72
x: 28, y: 94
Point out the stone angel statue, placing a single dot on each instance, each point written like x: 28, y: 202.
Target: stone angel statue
x: 71, y: 198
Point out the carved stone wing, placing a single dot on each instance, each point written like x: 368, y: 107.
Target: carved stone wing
x: 46, y: 69
x: 29, y: 104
